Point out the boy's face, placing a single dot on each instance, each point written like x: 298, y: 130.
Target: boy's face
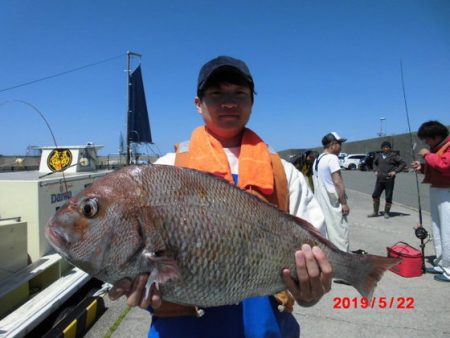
x: 433, y: 141
x: 226, y: 108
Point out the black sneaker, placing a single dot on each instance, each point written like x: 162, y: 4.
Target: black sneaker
x: 442, y: 277
x: 359, y: 252
x: 434, y: 270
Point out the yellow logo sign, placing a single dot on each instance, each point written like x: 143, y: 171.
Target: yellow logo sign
x: 59, y: 159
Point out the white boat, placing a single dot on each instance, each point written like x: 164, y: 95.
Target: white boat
x: 34, y: 280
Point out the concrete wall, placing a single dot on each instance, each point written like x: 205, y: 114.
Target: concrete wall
x: 20, y: 163
x: 14, y: 163
x: 400, y: 142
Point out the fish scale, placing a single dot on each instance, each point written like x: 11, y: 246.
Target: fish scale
x: 205, y: 241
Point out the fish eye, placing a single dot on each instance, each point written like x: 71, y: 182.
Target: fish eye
x: 89, y: 207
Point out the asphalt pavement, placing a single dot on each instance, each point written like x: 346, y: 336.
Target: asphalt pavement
x: 405, y: 188
x: 400, y: 307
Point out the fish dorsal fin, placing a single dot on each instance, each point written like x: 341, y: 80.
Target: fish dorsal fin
x: 306, y: 224
x: 312, y: 230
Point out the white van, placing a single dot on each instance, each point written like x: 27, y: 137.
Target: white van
x: 351, y: 161
x: 342, y: 157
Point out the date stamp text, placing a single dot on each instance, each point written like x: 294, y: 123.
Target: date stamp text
x: 373, y: 303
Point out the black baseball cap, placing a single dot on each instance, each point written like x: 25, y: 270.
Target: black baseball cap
x: 332, y: 137
x: 386, y: 144
x: 224, y: 63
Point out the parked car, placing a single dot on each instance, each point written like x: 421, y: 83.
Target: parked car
x: 351, y: 161
x: 342, y: 157
x: 367, y: 162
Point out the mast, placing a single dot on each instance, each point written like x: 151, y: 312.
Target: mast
x: 128, y: 140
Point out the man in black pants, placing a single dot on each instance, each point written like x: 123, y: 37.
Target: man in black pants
x: 386, y: 165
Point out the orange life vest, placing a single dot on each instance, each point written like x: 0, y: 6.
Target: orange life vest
x: 278, y: 196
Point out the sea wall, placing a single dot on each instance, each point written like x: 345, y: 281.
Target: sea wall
x: 400, y: 142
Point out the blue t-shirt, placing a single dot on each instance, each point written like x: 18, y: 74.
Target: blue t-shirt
x: 255, y: 317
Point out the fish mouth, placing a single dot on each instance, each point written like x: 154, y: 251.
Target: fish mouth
x: 55, y: 236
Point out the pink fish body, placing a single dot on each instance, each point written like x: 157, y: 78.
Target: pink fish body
x: 204, y: 241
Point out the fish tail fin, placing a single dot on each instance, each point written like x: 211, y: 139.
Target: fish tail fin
x: 372, y: 270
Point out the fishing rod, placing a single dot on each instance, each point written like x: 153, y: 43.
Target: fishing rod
x: 60, y: 74
x: 420, y: 232
x: 46, y: 123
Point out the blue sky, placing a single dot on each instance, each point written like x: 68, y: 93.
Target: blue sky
x: 318, y: 66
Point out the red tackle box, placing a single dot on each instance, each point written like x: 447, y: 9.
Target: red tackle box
x: 411, y: 263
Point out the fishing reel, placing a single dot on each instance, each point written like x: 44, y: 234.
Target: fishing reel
x: 421, y: 233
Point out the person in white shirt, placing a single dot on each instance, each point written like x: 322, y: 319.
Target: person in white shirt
x: 330, y: 191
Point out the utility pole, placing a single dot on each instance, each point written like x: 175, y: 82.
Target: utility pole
x: 380, y: 134
x: 129, y: 55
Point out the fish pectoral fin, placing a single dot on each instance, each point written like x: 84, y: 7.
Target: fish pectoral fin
x: 161, y: 268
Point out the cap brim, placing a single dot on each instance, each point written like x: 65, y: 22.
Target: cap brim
x: 225, y: 69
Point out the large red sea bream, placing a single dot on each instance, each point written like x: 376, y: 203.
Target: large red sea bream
x: 206, y: 242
